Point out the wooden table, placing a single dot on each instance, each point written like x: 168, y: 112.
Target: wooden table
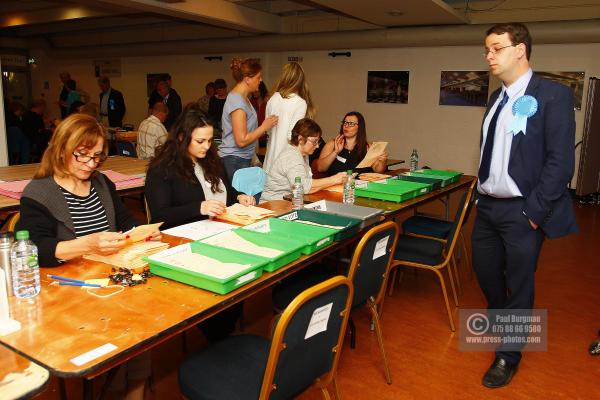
x: 128, y: 136
x: 65, y: 322
x: 19, y: 377
x: 124, y: 165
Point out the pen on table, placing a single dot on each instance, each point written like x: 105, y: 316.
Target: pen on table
x: 62, y: 278
x: 78, y: 284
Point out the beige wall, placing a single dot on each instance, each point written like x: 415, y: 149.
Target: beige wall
x: 446, y: 136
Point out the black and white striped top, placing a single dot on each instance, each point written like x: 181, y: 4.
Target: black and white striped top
x: 87, y: 212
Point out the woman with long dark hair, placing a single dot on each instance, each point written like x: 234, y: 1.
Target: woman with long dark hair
x: 186, y: 180
x: 348, y: 149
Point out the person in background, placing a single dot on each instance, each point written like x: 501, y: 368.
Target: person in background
x: 293, y: 162
x: 239, y: 121
x: 72, y: 96
x: 18, y: 144
x: 152, y: 132
x: 64, y: 93
x: 112, y: 104
x: 522, y: 190
x: 186, y: 181
x: 171, y: 99
x: 291, y: 101
x: 216, y: 104
x: 348, y: 149
x: 203, y: 102
x: 259, y: 101
x: 34, y: 126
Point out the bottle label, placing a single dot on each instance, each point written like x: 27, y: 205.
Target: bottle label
x: 32, y: 261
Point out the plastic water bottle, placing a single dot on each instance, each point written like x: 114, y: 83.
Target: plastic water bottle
x: 348, y: 197
x: 297, y: 194
x: 414, y: 160
x: 25, y: 268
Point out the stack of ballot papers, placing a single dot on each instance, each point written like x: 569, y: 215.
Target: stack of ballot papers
x: 199, y: 229
x: 121, y: 180
x: 13, y: 189
x: 243, y: 215
x: 131, y: 256
x: 231, y: 240
x: 375, y: 150
x: 373, y: 176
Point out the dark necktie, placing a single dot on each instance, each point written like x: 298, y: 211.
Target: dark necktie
x: 486, y: 156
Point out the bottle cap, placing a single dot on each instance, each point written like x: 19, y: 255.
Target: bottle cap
x: 22, y: 235
x: 297, y: 179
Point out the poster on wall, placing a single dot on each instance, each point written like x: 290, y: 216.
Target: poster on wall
x: 387, y: 87
x: 464, y: 88
x: 110, y: 68
x: 152, y: 80
x: 574, y: 80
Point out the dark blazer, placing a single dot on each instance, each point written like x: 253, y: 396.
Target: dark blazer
x: 116, y: 107
x: 175, y: 201
x: 542, y: 161
x: 174, y: 104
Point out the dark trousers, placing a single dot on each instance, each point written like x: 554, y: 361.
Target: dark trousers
x: 233, y: 163
x: 505, y: 254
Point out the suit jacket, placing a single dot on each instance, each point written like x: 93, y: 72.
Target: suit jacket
x: 116, y: 107
x: 542, y: 161
x: 174, y: 104
x: 175, y: 201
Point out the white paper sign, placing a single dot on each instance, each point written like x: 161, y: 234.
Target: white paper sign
x: 380, y: 247
x: 290, y: 217
x: 320, y: 205
x: 318, y: 321
x: 93, y: 354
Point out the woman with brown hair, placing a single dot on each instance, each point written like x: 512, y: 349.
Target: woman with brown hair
x: 291, y: 101
x: 239, y: 121
x: 186, y: 181
x: 292, y: 163
x: 69, y: 208
x: 348, y: 149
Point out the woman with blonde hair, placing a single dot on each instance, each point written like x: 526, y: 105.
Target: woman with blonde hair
x: 239, y: 121
x: 291, y: 101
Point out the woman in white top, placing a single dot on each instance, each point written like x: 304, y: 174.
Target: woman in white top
x: 291, y: 102
x: 293, y: 162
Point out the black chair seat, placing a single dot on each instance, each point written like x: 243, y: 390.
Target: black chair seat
x: 427, y: 226
x: 211, y: 374
x: 419, y: 250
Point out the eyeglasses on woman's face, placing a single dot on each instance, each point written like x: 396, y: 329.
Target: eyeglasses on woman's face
x: 350, y: 124
x: 84, y: 158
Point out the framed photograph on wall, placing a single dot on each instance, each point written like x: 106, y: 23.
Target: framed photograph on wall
x: 464, y: 88
x: 574, y: 80
x: 387, y: 87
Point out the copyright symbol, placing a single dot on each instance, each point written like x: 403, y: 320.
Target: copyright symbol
x: 477, y: 324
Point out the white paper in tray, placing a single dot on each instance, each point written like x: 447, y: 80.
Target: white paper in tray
x: 199, y: 229
x: 231, y: 240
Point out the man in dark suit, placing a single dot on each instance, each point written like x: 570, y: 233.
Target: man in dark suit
x: 112, y: 104
x: 171, y: 99
x: 527, y: 160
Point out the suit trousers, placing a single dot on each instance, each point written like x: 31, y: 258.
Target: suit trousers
x: 505, y: 254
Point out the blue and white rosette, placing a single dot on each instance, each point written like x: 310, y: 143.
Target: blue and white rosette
x: 523, y: 108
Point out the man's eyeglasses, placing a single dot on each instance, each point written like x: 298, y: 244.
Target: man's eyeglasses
x: 83, y: 158
x: 313, y: 140
x: 495, y: 51
x: 349, y: 124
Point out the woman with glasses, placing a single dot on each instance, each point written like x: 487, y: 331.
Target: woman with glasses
x: 291, y: 101
x: 186, y: 180
x: 348, y: 149
x: 293, y: 162
x: 69, y: 208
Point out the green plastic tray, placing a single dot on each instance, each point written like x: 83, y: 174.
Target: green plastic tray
x: 350, y: 225
x: 367, y: 215
x: 211, y: 283
x: 292, y: 248
x: 435, y: 183
x: 393, y: 190
x: 447, y: 177
x: 313, y: 237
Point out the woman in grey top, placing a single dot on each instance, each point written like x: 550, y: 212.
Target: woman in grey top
x: 292, y: 162
x: 239, y: 121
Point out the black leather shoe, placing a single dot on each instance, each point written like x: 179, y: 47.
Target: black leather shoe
x: 499, y: 374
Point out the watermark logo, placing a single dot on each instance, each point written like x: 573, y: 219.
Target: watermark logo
x: 503, y: 330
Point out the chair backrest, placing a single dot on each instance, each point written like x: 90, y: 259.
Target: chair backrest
x: 249, y: 180
x: 12, y: 221
x: 126, y: 149
x: 308, y: 340
x: 461, y: 212
x: 369, y: 268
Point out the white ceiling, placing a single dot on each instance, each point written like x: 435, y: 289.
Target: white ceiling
x: 90, y: 23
